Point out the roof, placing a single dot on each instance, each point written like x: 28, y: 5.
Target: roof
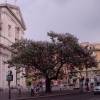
x: 9, y: 7
x: 95, y: 45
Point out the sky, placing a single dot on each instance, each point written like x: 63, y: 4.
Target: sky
x: 79, y: 17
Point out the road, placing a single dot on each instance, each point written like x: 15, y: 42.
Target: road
x: 77, y: 96
x: 72, y: 97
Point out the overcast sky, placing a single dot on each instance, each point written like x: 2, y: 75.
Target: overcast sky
x: 79, y: 17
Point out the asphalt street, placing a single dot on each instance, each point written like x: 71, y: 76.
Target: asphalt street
x: 87, y: 96
x: 75, y: 96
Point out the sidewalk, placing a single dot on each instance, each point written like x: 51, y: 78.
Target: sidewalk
x: 26, y: 95
x: 54, y: 93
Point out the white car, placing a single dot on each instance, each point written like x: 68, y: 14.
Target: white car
x: 96, y: 88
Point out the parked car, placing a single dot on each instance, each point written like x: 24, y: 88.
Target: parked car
x: 96, y: 89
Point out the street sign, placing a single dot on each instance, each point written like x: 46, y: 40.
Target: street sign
x: 9, y: 78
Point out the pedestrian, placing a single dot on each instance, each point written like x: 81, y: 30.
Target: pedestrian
x: 19, y: 89
x: 37, y: 89
x: 41, y: 86
x: 61, y: 86
x: 92, y: 84
x: 32, y: 90
x: 81, y: 84
x: 87, y: 84
x: 74, y: 82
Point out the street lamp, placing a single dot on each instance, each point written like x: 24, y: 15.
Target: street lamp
x: 9, y: 78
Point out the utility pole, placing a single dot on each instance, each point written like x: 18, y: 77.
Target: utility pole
x: 9, y: 96
x: 9, y: 79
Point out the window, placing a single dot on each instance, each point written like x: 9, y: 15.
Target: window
x: 9, y: 30
x: 0, y: 26
x: 17, y: 30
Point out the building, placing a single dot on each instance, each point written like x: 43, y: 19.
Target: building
x: 91, y: 73
x: 96, y: 52
x: 12, y: 28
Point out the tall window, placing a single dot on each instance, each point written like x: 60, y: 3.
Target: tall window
x: 17, y: 30
x: 0, y: 21
x: 0, y: 26
x: 9, y: 30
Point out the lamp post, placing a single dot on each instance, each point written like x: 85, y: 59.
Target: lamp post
x: 9, y: 79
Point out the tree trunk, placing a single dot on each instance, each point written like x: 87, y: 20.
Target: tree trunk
x: 48, y: 85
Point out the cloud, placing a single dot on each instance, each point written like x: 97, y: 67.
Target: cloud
x: 80, y: 17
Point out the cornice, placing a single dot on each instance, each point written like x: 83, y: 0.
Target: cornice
x: 21, y: 23
x: 6, y: 38
x: 9, y: 15
x: 6, y: 47
x: 9, y: 7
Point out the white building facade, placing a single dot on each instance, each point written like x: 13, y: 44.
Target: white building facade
x: 12, y: 28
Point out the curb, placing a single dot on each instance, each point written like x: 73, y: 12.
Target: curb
x: 46, y: 96
x: 43, y: 96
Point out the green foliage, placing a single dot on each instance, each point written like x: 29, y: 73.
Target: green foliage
x: 50, y: 57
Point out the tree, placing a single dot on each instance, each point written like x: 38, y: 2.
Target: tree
x: 48, y: 57
x: 81, y: 56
